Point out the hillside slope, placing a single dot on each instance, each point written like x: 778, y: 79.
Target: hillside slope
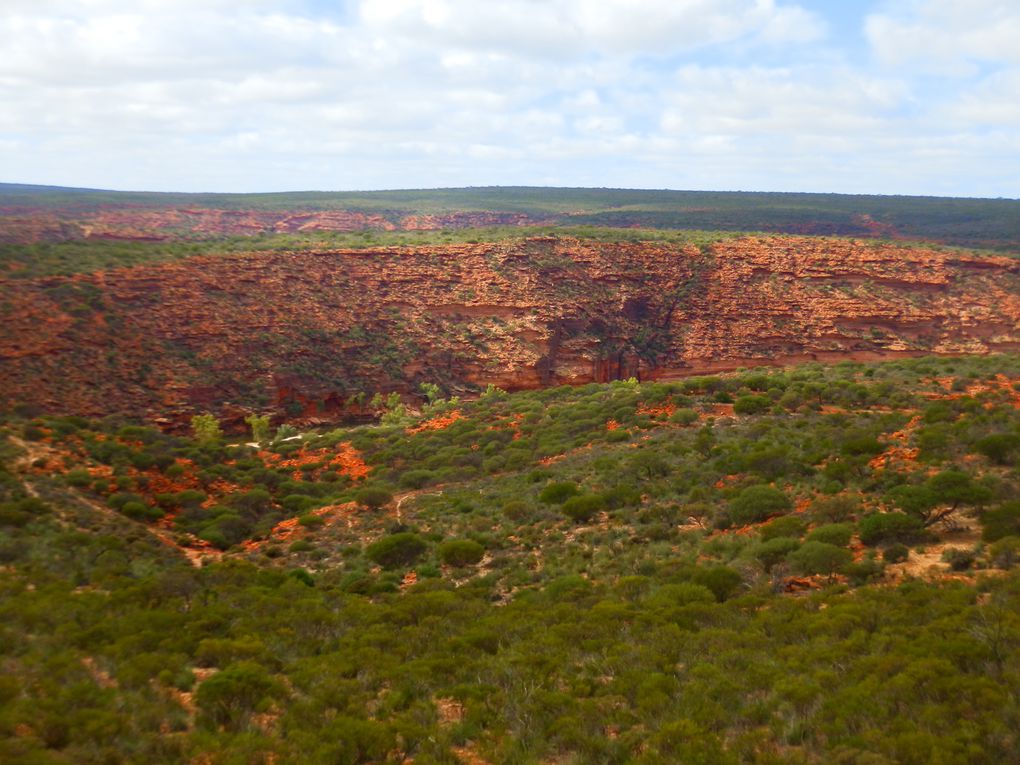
x: 303, y: 333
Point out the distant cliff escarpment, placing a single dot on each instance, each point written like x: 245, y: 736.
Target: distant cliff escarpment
x: 317, y: 333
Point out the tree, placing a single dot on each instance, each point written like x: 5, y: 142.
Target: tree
x: 206, y: 428
x: 430, y: 391
x: 259, y: 425
x: 939, y: 497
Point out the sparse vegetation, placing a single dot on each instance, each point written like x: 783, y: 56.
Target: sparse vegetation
x: 519, y: 583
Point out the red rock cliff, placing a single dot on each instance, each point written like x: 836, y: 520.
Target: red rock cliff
x: 306, y: 331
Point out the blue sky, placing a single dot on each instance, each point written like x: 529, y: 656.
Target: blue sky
x: 883, y: 97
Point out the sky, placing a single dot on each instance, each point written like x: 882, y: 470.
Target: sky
x: 872, y: 97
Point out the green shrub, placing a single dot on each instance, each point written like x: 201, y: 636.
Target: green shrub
x: 22, y: 512
x: 189, y: 498
x: 397, y: 550
x: 837, y: 534
x: 298, y: 503
x: 558, y: 493
x: 253, y: 501
x: 230, y: 697
x: 959, y: 560
x: 896, y: 553
x: 1000, y: 448
x: 863, y: 571
x: 301, y: 545
x: 583, y: 508
x: 1005, y: 553
x: 373, y: 497
x: 721, y: 580
x: 624, y: 495
x: 880, y: 528
x: 518, y: 510
x: 836, y: 509
x: 820, y: 558
x: 140, y: 511
x: 1003, y: 521
x: 774, y: 551
x: 79, y: 477
x: 681, y: 594
x: 752, y: 404
x: 417, y: 479
x: 684, y: 417
x: 784, y: 526
x: 121, y: 498
x: 461, y: 552
x: 756, y: 503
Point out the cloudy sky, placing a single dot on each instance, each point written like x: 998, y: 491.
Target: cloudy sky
x: 875, y: 96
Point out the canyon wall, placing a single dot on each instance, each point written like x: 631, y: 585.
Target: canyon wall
x: 302, y: 333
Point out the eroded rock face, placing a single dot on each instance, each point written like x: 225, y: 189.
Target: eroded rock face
x: 305, y: 332
x: 127, y: 223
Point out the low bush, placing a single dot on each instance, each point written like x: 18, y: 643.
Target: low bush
x: 880, y: 528
x: 558, y: 493
x: 837, y: 534
x: 583, y: 508
x: 373, y: 497
x: 461, y: 552
x: 752, y: 404
x: 820, y: 558
x: 396, y: 550
x: 896, y: 553
x: 756, y: 503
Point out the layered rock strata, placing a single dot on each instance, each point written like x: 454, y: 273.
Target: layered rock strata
x: 303, y: 333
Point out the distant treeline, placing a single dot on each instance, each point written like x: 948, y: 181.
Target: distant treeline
x: 986, y: 223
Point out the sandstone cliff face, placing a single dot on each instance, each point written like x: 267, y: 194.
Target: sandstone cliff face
x: 27, y: 225
x: 303, y: 332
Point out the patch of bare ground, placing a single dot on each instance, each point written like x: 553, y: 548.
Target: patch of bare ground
x: 928, y: 562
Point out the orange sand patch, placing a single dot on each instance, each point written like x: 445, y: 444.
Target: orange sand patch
x: 658, y: 411
x: 612, y: 425
x: 441, y: 422
x: 410, y: 580
x: 1000, y: 382
x: 723, y: 482
x: 898, y: 451
x: 345, y: 459
x: 291, y: 528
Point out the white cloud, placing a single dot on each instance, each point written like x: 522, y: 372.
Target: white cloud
x: 558, y: 28
x: 994, y: 102
x: 217, y: 95
x: 944, y: 35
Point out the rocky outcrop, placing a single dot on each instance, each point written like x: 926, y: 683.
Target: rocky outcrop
x: 305, y: 332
